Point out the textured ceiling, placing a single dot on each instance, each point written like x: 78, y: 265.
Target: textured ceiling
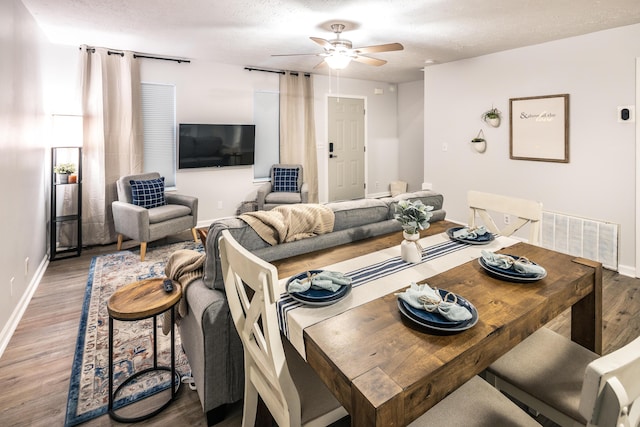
x: 248, y: 32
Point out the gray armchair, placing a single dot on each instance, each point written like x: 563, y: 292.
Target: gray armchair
x: 286, y: 187
x: 146, y: 218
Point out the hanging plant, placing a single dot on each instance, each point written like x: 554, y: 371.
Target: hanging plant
x: 479, y: 143
x: 492, y: 117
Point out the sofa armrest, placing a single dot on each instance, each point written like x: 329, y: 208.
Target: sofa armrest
x: 212, y: 346
x: 131, y: 220
x: 240, y: 231
x: 188, y: 201
x: 263, y: 190
x: 304, y: 193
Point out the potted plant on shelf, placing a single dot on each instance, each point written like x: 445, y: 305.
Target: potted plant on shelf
x: 492, y: 117
x: 62, y: 171
x: 413, y: 216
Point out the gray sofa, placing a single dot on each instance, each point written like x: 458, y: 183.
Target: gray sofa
x: 208, y: 335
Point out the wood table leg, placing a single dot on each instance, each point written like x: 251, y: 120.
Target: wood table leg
x: 586, y: 314
x: 376, y: 400
x: 202, y: 233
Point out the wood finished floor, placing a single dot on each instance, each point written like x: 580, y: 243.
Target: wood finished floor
x: 35, y: 367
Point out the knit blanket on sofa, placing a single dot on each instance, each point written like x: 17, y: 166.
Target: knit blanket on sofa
x: 184, y: 266
x: 287, y: 223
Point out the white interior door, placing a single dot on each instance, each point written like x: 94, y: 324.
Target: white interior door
x: 346, y: 148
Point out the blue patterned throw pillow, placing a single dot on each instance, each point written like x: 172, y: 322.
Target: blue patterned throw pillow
x: 149, y: 193
x: 285, y: 180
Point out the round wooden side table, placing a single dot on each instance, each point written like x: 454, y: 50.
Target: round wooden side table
x: 138, y: 301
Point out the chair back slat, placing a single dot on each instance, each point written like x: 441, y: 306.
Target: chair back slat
x: 525, y: 212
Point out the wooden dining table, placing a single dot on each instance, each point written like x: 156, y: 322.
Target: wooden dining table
x: 386, y: 371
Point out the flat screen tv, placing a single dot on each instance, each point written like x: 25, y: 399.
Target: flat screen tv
x: 215, y: 145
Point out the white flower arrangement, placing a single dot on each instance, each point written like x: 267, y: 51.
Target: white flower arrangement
x: 65, y: 168
x: 413, y: 216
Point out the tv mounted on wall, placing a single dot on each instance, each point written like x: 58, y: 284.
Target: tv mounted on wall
x: 215, y: 145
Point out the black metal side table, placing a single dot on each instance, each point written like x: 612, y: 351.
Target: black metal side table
x: 138, y: 301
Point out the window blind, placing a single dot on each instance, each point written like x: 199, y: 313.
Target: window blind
x: 159, y: 123
x: 266, y: 116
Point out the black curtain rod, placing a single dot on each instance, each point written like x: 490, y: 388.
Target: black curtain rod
x: 140, y: 55
x: 295, y: 73
x: 137, y: 55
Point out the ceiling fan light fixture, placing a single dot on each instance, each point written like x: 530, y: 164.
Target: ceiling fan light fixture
x: 338, y: 53
x: 338, y: 60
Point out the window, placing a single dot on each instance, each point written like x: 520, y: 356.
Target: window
x: 266, y: 115
x: 159, y: 124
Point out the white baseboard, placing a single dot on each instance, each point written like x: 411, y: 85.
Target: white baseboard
x: 18, y: 312
x: 627, y: 270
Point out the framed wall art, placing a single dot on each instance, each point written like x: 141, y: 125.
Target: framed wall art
x: 539, y: 128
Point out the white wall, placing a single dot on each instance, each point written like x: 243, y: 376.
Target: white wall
x: 411, y: 133
x: 23, y: 168
x: 598, y: 72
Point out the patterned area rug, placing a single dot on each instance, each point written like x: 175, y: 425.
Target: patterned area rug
x: 88, y: 389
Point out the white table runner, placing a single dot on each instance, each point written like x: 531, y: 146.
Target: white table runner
x: 377, y: 274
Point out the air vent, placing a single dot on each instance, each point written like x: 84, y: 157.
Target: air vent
x: 586, y: 238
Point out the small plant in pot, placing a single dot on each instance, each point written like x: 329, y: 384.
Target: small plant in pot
x: 492, y: 117
x: 414, y: 216
x: 63, y: 170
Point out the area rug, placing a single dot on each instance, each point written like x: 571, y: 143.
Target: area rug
x: 88, y: 389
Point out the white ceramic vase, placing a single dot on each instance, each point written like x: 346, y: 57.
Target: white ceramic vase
x: 410, y: 251
x: 495, y: 122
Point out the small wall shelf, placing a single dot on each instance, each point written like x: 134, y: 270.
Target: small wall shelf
x: 65, y: 227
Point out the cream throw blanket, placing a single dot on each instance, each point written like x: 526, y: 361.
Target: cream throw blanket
x: 184, y: 266
x: 287, y: 223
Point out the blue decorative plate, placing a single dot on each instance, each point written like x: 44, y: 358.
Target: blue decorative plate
x: 436, y: 321
x: 509, y: 273
x: 484, y: 239
x: 318, y: 297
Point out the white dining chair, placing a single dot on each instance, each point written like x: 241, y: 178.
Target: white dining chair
x: 569, y: 384
x: 274, y: 370
x: 523, y: 211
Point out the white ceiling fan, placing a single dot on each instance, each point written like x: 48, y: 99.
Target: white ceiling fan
x: 338, y: 53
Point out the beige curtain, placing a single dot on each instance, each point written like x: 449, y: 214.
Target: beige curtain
x: 113, y: 141
x: 297, y: 128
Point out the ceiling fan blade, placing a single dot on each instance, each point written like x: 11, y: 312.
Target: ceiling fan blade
x: 369, y: 61
x: 389, y: 47
x: 320, y: 65
x: 322, y: 42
